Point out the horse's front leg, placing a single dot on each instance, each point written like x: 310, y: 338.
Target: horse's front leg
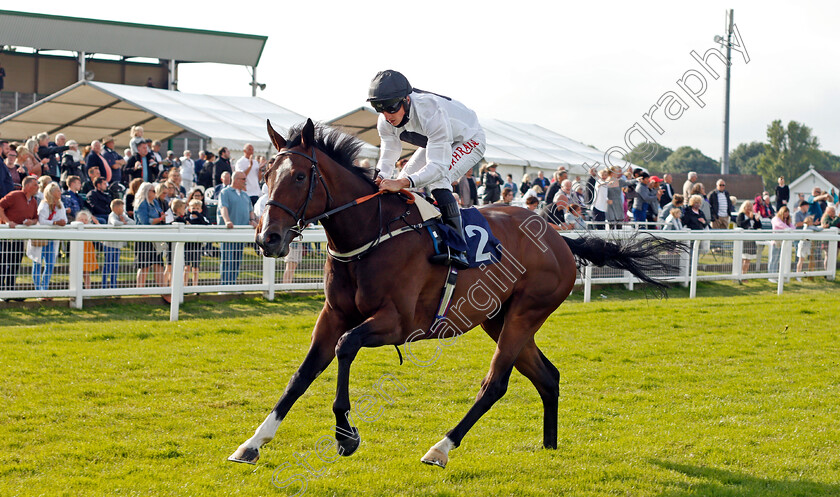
x: 327, y: 330
x: 381, y: 329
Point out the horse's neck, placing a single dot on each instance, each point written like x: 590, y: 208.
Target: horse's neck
x: 363, y: 223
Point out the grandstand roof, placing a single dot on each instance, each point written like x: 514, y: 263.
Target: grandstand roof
x: 48, y: 32
x: 508, y: 143
x: 90, y: 110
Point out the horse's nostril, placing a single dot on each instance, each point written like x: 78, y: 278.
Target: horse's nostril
x: 273, y: 239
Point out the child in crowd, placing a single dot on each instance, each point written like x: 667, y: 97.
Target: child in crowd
x: 803, y: 252
x: 674, y: 220
x: 176, y: 214
x: 193, y: 250
x: 90, y: 264
x: 117, y: 217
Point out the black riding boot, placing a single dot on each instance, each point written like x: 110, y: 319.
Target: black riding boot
x: 451, y: 214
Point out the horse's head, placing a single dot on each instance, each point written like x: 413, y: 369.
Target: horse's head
x: 293, y: 180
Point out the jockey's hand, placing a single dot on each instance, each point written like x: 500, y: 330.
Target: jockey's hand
x: 394, y: 185
x: 378, y: 180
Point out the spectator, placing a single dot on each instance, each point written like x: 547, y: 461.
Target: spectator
x: 89, y: 262
x: 43, y: 252
x: 117, y: 217
x: 803, y: 251
x: 667, y: 190
x: 815, y: 199
x: 600, y: 201
x: 678, y: 201
x: 96, y: 159
x: 199, y: 164
x: 222, y: 165
x: 236, y: 209
x: 829, y: 218
x: 172, y: 159
x: 28, y: 161
x: 93, y: 175
x: 205, y: 176
x: 197, y: 193
x: 216, y: 191
x: 193, y: 250
x: 130, y: 195
x: 554, y: 187
x: 578, y: 197
x: 52, y: 152
x: 71, y: 161
x: 251, y: 167
x: 467, y: 190
x: 674, y: 220
x: 688, y: 186
x: 17, y: 207
x: 99, y: 201
x: 782, y: 193
x: 532, y: 203
x: 187, y: 170
x: 543, y: 183
x: 492, y: 182
x: 780, y: 222
x: 700, y: 189
x: 73, y: 202
x: 719, y: 206
x: 615, y: 198
x: 507, y: 197
x: 155, y: 151
x: 11, y: 174
x: 175, y: 179
x: 748, y: 219
x: 136, y: 139
x: 150, y: 82
x: 763, y: 206
x: 115, y: 161
x: 510, y: 184
x: 574, y: 217
x: 142, y: 164
x: 526, y: 184
x: 645, y: 200
x: 43, y: 181
x: 534, y: 191
x: 693, y: 217
x: 800, y: 215
x: 148, y: 211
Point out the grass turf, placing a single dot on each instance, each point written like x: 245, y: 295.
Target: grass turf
x: 734, y: 395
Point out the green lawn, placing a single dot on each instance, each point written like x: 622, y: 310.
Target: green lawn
x: 734, y: 394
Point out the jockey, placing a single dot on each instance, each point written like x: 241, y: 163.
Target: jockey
x: 450, y: 141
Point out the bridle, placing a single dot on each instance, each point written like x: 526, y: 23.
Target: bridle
x: 300, y: 221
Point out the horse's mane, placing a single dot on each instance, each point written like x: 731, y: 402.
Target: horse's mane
x: 339, y: 146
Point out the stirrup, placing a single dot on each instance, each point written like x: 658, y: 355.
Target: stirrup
x: 451, y: 258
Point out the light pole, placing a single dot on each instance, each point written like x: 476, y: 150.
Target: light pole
x: 727, y: 42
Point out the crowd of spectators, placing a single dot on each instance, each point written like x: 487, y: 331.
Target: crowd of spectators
x: 52, y: 182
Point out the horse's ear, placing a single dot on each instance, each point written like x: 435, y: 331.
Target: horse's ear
x: 307, y: 134
x: 276, y: 140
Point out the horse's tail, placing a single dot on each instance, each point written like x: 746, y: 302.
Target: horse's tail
x: 637, y: 253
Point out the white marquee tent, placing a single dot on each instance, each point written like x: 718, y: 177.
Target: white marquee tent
x: 89, y: 110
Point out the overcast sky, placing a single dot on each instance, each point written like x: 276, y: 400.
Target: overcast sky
x: 587, y: 70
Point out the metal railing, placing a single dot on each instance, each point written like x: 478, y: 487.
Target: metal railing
x: 86, y: 266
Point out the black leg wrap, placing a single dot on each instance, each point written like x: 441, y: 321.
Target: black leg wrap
x: 451, y: 214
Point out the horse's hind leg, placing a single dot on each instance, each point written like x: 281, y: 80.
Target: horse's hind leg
x: 516, y: 333
x: 545, y: 377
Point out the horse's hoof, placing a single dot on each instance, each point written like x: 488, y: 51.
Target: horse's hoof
x: 435, y: 457
x: 246, y: 455
x: 348, y: 445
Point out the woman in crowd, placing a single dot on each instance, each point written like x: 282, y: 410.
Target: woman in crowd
x: 175, y: 179
x: 29, y: 161
x: 16, y: 171
x: 748, y: 219
x: 148, y: 211
x: 699, y: 189
x: 693, y: 217
x: 197, y: 193
x: 601, y: 201
x: 780, y: 222
x: 131, y: 195
x: 43, y: 182
x: 615, y: 197
x: 51, y: 212
x: 526, y: 184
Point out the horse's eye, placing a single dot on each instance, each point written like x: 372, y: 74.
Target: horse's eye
x: 300, y: 177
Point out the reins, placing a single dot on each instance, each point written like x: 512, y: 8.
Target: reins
x: 300, y: 221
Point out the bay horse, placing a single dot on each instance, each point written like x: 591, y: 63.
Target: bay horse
x: 390, y: 291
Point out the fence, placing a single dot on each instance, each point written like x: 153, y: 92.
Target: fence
x: 173, y: 260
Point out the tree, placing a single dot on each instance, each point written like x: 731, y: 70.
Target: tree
x: 788, y: 152
x: 649, y: 155
x: 685, y: 159
x: 745, y: 157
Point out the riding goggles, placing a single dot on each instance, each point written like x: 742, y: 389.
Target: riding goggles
x: 391, y: 106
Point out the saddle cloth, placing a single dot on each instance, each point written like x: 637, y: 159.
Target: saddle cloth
x: 481, y: 248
